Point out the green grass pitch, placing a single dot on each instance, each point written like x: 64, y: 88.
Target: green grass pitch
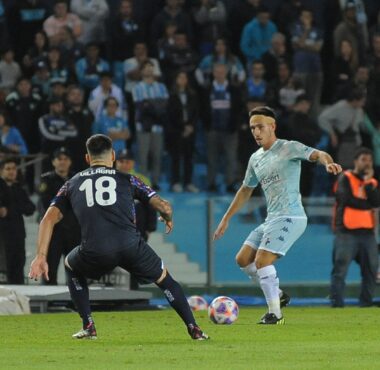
x: 313, y: 338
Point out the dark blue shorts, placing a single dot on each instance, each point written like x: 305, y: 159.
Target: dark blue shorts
x: 139, y: 260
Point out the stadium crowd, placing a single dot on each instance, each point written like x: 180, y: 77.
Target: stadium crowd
x: 175, y: 80
x: 178, y: 77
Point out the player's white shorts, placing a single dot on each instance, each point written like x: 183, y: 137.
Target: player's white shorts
x: 277, y: 235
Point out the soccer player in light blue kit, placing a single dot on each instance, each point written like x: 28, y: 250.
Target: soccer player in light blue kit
x: 276, y: 166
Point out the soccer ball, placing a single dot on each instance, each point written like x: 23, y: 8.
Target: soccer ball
x: 197, y: 303
x: 223, y: 310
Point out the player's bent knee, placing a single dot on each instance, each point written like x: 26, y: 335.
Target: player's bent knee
x: 245, y: 256
x: 67, y: 263
x: 242, y: 261
x: 163, y: 276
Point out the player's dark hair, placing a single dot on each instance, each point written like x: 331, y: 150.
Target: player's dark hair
x: 8, y: 160
x: 263, y: 111
x: 356, y: 93
x: 146, y: 63
x: 98, y: 144
x: 110, y: 98
x: 362, y: 151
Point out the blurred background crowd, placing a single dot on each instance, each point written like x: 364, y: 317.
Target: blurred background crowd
x: 172, y: 81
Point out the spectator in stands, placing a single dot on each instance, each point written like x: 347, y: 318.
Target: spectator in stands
x: 24, y: 108
x: 81, y: 117
x: 357, y: 199
x: 257, y: 35
x: 41, y: 79
x: 361, y: 78
x: 132, y: 75
x: 221, y: 55
x: 373, y: 130
x: 10, y: 138
x: 61, y: 18
x: 344, y: 67
x: 132, y: 66
x: 71, y: 49
x: 241, y: 13
x: 222, y: 104
x: 375, y: 29
x: 373, y: 105
x: 4, y: 205
x: 146, y: 216
x: 342, y: 122
x: 276, y: 54
x: 125, y: 32
x: 37, y: 52
x: 167, y: 40
x: 57, y: 69
x: 88, y: 68
x: 25, y: 18
x: 55, y: 128
x: 183, y: 113
x: 99, y: 95
x: 287, y: 14
x: 19, y: 204
x: 179, y: 57
x: 307, y: 42
x: 288, y: 94
x: 113, y: 125
x: 245, y: 143
x: 256, y: 86
x: 150, y: 98
x: 58, y: 89
x: 10, y: 71
x: 303, y: 128
x: 67, y: 234
x: 4, y: 38
x: 171, y: 12
x: 93, y: 15
x: 210, y: 24
x: 350, y: 29
x: 284, y: 74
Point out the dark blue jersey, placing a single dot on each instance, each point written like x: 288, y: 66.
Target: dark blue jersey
x: 102, y: 198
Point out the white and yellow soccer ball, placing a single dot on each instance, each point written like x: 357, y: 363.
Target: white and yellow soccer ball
x: 197, y: 303
x: 223, y: 310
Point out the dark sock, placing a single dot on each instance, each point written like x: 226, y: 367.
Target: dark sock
x: 176, y: 298
x: 80, y: 296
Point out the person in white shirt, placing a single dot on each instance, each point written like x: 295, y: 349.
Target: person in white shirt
x: 104, y: 90
x: 10, y: 71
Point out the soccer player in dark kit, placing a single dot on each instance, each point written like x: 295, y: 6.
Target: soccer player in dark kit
x: 102, y: 199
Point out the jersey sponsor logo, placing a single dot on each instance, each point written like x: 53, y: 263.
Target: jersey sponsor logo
x: 95, y: 171
x: 268, y: 180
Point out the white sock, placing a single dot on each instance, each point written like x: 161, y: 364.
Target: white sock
x: 270, y: 285
x: 250, y: 270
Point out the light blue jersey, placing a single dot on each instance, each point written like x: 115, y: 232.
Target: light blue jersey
x: 278, y: 171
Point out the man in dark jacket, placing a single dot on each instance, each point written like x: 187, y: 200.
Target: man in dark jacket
x: 357, y: 197
x: 56, y: 129
x: 12, y: 220
x: 222, y: 104
x: 82, y: 119
x: 146, y: 216
x: 66, y: 235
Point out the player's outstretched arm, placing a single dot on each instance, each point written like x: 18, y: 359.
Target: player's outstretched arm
x: 39, y: 266
x: 326, y: 159
x: 241, y: 197
x: 165, y: 210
